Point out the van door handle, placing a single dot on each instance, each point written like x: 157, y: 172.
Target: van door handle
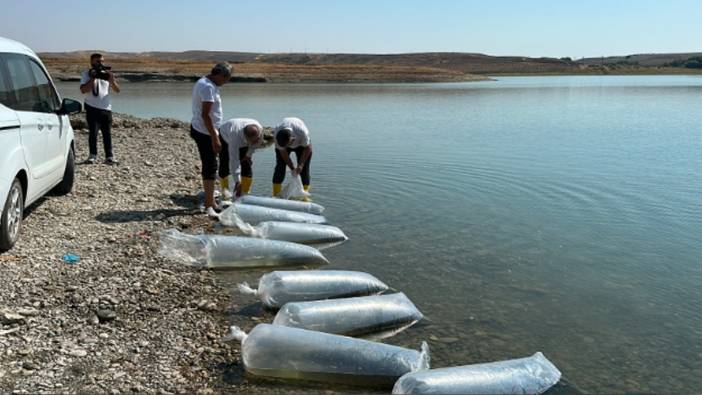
x: 40, y: 127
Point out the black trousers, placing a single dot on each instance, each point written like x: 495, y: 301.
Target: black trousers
x: 246, y: 170
x: 99, y: 120
x: 208, y: 158
x: 280, y: 165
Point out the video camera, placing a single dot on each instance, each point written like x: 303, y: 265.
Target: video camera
x: 100, y: 71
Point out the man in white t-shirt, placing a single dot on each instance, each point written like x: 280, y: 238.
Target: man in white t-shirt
x: 243, y: 136
x: 204, y: 129
x: 292, y: 135
x: 95, y: 84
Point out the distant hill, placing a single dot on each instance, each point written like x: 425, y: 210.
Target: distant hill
x: 410, y: 67
x: 645, y: 60
x: 464, y: 62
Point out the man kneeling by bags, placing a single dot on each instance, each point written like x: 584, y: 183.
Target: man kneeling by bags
x: 243, y: 136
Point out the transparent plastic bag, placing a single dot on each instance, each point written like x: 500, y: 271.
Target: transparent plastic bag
x: 532, y: 375
x: 283, y: 204
x: 257, y: 214
x: 375, y: 317
x: 280, y: 287
x: 287, y: 231
x: 217, y: 251
x: 292, y: 353
x: 300, y: 232
x: 293, y: 189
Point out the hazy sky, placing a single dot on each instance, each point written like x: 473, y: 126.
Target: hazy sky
x: 499, y: 27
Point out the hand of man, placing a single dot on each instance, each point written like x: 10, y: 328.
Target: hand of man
x: 237, y: 189
x: 111, y: 78
x: 296, y: 172
x: 246, y: 160
x: 216, y: 145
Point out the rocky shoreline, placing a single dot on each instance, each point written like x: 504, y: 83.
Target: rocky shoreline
x: 122, y: 319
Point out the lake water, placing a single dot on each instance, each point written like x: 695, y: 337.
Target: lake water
x: 553, y: 214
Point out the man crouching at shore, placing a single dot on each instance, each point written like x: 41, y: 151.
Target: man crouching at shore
x: 242, y: 136
x: 292, y: 135
x: 204, y: 129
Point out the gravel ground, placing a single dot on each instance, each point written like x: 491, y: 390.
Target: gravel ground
x: 122, y: 319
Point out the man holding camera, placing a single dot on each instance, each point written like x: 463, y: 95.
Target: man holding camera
x: 95, y: 84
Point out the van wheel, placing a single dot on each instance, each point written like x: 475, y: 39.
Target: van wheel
x: 12, y: 214
x: 66, y: 184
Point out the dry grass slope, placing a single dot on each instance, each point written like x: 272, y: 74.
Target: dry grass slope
x: 413, y: 67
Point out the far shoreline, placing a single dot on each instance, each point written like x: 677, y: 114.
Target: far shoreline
x: 295, y: 68
x: 136, y: 78
x: 151, y: 78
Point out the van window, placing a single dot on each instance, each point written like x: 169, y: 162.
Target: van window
x: 48, y: 101
x: 26, y: 93
x: 5, y: 92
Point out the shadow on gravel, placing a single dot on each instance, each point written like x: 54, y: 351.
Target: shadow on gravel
x: 232, y: 374
x: 252, y: 310
x: 112, y: 217
x: 187, y: 201
x: 30, y: 209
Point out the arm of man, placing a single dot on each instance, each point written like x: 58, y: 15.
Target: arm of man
x: 286, y: 158
x: 302, y: 130
x: 234, y: 164
x: 209, y: 124
x: 249, y: 155
x: 113, y: 83
x: 303, y: 159
x: 86, y: 86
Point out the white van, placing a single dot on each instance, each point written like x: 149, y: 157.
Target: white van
x: 36, y: 138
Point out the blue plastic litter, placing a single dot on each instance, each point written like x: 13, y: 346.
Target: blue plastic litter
x: 71, y: 258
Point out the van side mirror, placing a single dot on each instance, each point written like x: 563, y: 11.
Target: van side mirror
x: 70, y: 106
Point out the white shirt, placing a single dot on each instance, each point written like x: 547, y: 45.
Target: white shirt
x: 232, y: 132
x: 102, y: 87
x: 300, y: 134
x: 206, y: 91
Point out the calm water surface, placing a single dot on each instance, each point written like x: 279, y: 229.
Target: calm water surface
x: 553, y: 214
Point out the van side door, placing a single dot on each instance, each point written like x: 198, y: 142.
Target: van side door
x: 54, y: 124
x: 32, y: 124
x: 10, y: 152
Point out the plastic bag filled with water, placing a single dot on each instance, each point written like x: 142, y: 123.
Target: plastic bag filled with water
x: 300, y: 233
x: 375, y: 317
x: 257, y: 214
x: 292, y: 353
x: 218, y: 251
x: 280, y: 287
x: 532, y: 375
x: 286, y: 231
x: 283, y: 204
x: 293, y: 188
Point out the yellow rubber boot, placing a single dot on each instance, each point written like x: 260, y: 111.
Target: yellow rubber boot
x: 224, y: 183
x: 307, y: 189
x: 224, y: 186
x: 246, y: 183
x: 276, y: 189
